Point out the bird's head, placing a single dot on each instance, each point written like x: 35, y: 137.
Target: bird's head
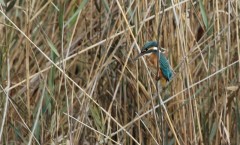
x: 148, y: 48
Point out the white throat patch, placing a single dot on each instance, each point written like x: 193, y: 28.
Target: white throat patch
x: 153, y: 48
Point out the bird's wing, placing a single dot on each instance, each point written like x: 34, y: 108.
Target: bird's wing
x: 165, y: 67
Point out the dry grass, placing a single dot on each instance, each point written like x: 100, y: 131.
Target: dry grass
x: 67, y: 75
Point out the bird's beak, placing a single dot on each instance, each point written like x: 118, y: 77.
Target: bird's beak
x: 139, y: 55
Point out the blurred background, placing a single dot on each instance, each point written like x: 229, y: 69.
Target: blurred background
x: 68, y: 77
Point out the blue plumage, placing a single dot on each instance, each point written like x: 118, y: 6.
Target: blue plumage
x: 163, y: 62
x: 165, y: 67
x: 150, y: 44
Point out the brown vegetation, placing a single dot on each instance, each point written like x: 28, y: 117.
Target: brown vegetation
x: 67, y: 74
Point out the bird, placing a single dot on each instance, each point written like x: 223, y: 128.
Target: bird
x: 151, y: 52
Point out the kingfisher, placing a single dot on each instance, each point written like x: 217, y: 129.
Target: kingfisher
x: 152, y: 53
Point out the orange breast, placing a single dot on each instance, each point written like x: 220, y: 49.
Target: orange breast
x: 152, y: 64
x: 152, y: 61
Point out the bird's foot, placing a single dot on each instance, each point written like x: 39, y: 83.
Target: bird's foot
x: 157, y: 78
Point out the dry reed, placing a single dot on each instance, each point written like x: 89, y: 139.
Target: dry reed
x: 67, y: 75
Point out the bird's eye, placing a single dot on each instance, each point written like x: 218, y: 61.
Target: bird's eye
x: 143, y: 51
